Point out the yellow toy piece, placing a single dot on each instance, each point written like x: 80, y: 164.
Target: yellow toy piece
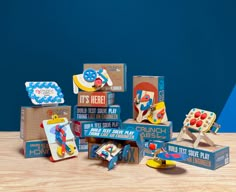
x: 72, y: 149
x: 59, y: 151
x: 160, y: 164
x: 55, y: 119
x: 91, y: 80
x: 158, y: 114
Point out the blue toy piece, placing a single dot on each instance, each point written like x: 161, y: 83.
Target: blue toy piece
x: 125, y: 151
x: 103, y: 77
x: 112, y: 162
x: 90, y: 75
x: 147, y: 106
x: 105, y: 154
x: 93, y: 151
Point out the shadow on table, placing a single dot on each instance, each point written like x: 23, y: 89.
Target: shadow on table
x: 173, y: 171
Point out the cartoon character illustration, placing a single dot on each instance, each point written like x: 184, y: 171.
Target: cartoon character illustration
x: 91, y: 80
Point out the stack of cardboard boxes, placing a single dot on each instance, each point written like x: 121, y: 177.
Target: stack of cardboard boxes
x: 34, y: 138
x: 97, y: 109
x: 158, y: 134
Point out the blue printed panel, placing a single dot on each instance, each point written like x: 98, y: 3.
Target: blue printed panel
x: 162, y: 132
x: 34, y: 149
x: 116, y: 134
x: 97, y: 113
x: 202, y: 157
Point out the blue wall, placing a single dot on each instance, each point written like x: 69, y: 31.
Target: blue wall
x: 191, y: 43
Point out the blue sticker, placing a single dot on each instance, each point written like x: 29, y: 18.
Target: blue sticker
x: 44, y: 93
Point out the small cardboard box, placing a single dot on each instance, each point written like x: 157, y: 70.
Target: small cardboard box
x: 132, y: 137
x: 161, y: 132
x: 80, y: 128
x: 36, y: 148
x: 82, y: 144
x: 97, y: 113
x: 95, y: 99
x: 116, y: 71
x: 32, y: 117
x: 153, y: 84
x: 205, y: 156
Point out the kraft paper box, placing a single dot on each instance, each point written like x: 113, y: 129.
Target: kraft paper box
x: 110, y: 113
x: 205, y: 156
x: 153, y: 84
x: 95, y: 99
x: 80, y: 128
x: 116, y: 71
x: 32, y: 117
x: 162, y: 132
x: 36, y: 148
x: 132, y: 137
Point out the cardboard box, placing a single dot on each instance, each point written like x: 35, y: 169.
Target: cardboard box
x: 97, y: 113
x: 82, y: 144
x: 205, y: 156
x: 116, y: 71
x: 95, y: 99
x: 95, y: 136
x: 32, y: 117
x: 161, y: 132
x: 80, y: 128
x: 36, y: 148
x: 153, y: 84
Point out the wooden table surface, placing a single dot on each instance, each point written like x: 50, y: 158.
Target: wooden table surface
x: 81, y: 174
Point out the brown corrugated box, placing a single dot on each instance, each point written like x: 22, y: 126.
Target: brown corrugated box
x: 32, y: 117
x: 117, y: 73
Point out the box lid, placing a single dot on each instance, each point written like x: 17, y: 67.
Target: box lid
x: 116, y: 134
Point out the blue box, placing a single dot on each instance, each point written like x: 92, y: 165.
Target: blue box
x: 161, y: 132
x: 97, y: 113
x: 132, y: 137
x: 209, y: 157
x: 80, y: 128
x: 82, y: 144
x: 36, y: 148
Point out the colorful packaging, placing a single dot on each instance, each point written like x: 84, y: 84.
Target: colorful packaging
x: 116, y: 71
x: 36, y: 148
x: 162, y: 132
x: 205, y: 156
x: 110, y: 113
x: 95, y: 99
x: 154, y: 84
x: 32, y: 117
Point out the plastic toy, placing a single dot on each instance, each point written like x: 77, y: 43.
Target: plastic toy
x: 154, y: 113
x: 60, y: 138
x: 201, y: 121
x: 91, y: 80
x: 44, y: 93
x: 163, y: 159
x: 111, y: 151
